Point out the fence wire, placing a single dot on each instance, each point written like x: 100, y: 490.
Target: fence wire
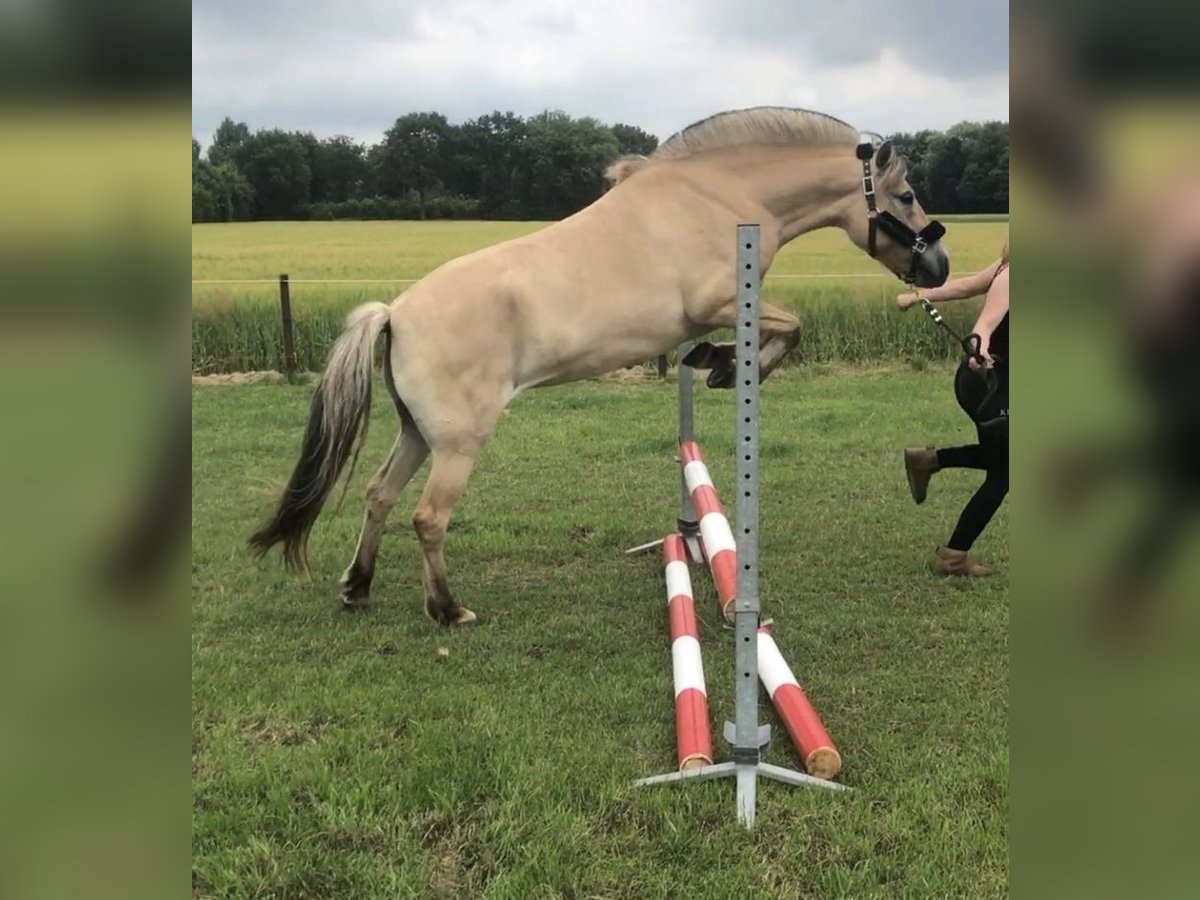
x: 769, y: 277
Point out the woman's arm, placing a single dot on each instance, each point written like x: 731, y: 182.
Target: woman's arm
x: 995, y: 308
x: 958, y: 289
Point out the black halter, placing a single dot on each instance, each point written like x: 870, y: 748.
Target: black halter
x: 883, y: 220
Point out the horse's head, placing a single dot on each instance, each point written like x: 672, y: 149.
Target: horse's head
x: 889, y: 223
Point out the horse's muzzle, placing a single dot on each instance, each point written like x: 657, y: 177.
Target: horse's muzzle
x: 933, y: 267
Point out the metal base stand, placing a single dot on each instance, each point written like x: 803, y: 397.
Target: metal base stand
x: 747, y: 738
x: 747, y: 774
x: 687, y: 524
x: 691, y: 540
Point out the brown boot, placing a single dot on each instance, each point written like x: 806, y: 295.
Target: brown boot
x: 920, y: 463
x: 956, y: 562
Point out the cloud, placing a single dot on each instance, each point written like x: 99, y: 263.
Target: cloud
x: 353, y: 67
x: 960, y: 39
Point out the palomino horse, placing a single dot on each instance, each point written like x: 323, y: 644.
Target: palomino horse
x: 647, y: 266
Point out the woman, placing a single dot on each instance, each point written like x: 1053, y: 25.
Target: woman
x: 983, y: 395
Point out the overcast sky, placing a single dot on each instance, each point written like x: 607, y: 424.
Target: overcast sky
x: 352, y: 66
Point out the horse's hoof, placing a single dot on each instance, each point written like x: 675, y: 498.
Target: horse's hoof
x: 448, y: 616
x: 353, y: 604
x: 722, y: 378
x: 462, y: 616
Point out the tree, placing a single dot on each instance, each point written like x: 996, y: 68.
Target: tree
x: 220, y: 193
x: 412, y: 157
x: 999, y: 181
x: 500, y: 165
x: 964, y: 169
x: 228, y: 140
x: 204, y: 204
x: 564, y: 162
x: 339, y: 169
x: 276, y: 164
x: 489, y: 158
x: 915, y: 150
x: 944, y: 165
x: 984, y: 183
x: 632, y: 140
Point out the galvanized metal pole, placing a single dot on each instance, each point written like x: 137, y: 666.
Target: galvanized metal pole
x: 747, y: 747
x: 688, y: 524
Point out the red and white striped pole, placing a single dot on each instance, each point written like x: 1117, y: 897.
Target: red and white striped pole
x: 716, y: 537
x: 693, y: 738
x: 817, y: 751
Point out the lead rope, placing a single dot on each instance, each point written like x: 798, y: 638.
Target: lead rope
x: 972, y: 346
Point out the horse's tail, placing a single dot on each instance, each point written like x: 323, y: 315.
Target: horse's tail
x: 339, y: 415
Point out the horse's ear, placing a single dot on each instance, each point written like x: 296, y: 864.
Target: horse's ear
x: 883, y: 156
x: 623, y: 168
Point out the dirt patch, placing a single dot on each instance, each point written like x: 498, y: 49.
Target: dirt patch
x: 200, y: 887
x: 266, y: 377
x: 270, y: 377
x: 447, y: 854
x: 285, y: 734
x: 581, y: 534
x: 633, y: 373
x: 358, y: 840
x: 446, y: 871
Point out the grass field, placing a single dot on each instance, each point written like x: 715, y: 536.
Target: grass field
x: 334, y: 755
x: 236, y: 327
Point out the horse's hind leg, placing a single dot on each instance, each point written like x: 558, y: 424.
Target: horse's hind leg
x: 408, y: 453
x: 447, y: 477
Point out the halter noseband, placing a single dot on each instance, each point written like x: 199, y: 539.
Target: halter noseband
x: 883, y: 220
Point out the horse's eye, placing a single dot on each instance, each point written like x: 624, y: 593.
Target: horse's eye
x: 907, y: 198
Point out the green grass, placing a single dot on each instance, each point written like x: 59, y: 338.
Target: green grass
x: 333, y: 755
x: 850, y: 317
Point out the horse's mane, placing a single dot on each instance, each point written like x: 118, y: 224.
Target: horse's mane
x: 770, y: 125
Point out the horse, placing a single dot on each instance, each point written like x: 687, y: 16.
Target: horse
x: 647, y: 266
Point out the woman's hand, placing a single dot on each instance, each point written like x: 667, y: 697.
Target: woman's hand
x: 907, y: 300
x: 985, y: 341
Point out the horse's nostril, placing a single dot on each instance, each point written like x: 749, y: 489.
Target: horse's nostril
x: 940, y: 270
x: 935, y: 269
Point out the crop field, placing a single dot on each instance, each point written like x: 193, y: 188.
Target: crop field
x: 845, y: 298
x: 341, y: 755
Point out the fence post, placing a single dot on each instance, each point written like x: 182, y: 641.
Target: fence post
x: 662, y: 366
x: 289, y: 346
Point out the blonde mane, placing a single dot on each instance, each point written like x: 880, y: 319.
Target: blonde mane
x: 760, y: 125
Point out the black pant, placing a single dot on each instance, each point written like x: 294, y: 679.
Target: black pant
x: 990, y: 454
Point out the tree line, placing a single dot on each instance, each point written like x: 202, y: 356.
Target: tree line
x: 961, y: 170
x: 504, y: 166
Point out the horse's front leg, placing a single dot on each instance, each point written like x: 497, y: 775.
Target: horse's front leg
x: 779, y: 333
